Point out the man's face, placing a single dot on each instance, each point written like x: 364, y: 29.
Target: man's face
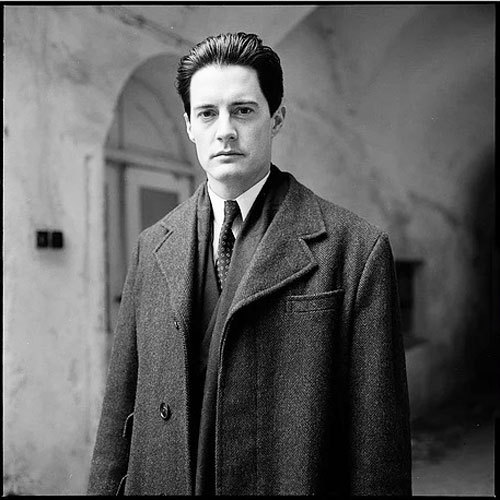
x: 231, y: 126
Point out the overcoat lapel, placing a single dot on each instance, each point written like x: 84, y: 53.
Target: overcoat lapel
x: 176, y: 257
x: 283, y: 255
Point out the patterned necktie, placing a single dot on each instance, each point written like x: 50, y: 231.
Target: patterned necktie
x: 226, y: 240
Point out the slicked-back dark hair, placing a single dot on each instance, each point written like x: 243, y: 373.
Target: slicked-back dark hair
x: 243, y: 49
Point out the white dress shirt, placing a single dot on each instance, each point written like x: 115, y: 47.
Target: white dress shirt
x: 245, y: 202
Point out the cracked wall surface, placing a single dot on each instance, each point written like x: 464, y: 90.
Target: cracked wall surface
x: 390, y: 114
x: 60, y: 90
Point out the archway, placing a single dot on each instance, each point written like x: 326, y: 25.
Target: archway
x: 148, y: 167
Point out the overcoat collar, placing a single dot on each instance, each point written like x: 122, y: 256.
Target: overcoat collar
x: 282, y: 256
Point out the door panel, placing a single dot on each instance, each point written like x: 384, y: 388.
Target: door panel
x: 136, y: 198
x: 154, y: 204
x: 116, y: 260
x: 149, y: 196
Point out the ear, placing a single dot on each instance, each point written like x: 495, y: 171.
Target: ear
x: 277, y: 120
x: 188, y: 127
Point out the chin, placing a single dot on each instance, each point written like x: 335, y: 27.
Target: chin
x: 220, y: 170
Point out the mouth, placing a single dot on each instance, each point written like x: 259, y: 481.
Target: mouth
x: 228, y: 154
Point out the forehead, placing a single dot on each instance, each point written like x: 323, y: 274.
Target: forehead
x: 215, y: 84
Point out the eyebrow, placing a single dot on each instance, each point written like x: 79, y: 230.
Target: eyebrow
x: 235, y: 103
x: 240, y: 103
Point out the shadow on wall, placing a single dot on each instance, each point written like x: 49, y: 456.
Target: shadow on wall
x: 479, y: 321
x: 443, y: 437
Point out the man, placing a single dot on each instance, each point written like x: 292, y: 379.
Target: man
x: 257, y: 349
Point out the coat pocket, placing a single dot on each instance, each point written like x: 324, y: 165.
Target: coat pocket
x: 317, y: 302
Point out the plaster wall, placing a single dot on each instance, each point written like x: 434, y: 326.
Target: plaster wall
x: 399, y: 128
x: 60, y: 90
x: 407, y: 147
x: 148, y: 117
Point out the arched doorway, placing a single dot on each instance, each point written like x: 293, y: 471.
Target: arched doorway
x: 148, y: 168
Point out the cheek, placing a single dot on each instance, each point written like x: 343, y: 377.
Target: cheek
x: 263, y: 139
x: 259, y: 136
x: 201, y: 140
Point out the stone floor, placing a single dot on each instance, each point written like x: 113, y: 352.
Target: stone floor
x: 453, y: 449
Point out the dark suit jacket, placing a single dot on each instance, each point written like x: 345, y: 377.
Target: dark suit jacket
x: 312, y: 395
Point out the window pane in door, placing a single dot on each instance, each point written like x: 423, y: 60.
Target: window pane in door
x: 155, y: 204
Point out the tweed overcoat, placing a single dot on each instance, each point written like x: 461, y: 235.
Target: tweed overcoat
x: 311, y: 388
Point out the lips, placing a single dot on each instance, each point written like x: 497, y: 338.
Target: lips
x: 227, y: 153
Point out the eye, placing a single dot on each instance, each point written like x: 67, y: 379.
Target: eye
x: 244, y: 111
x: 206, y: 114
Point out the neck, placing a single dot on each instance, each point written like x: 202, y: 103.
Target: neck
x: 231, y: 189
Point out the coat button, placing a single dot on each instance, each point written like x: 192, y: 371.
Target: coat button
x: 165, y: 411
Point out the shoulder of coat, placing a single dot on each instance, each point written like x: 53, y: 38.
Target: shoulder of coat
x: 339, y: 219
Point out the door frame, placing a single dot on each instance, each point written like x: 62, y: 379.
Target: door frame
x: 125, y: 171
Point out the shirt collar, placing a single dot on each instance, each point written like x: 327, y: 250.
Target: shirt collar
x: 244, y: 200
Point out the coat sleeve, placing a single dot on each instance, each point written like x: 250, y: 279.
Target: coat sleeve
x: 111, y: 451
x: 380, y: 443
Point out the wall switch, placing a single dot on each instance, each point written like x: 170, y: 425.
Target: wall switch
x: 52, y: 239
x: 42, y: 239
x: 56, y: 240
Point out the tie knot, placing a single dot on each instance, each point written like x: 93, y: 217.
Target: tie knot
x: 231, y: 211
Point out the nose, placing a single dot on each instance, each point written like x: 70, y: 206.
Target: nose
x: 226, y: 131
